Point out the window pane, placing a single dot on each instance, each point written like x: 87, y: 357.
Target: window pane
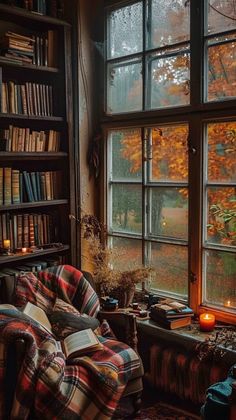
x: 221, y: 218
x: 221, y: 70
x: 220, y: 279
x: 129, y: 252
x: 126, y: 208
x: 168, y: 22
x: 169, y: 212
x: 171, y: 267
x: 221, y: 15
x: 125, y: 31
x: 124, y: 88
x: 222, y: 151
x: 168, y: 80
x: 126, y: 150
x: 169, y: 157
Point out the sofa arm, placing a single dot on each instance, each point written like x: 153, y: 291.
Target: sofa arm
x: 123, y: 324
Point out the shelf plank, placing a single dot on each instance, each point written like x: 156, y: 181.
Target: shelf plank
x: 6, y: 63
x: 34, y: 204
x: 11, y: 258
x: 32, y: 155
x: 4, y: 116
x: 10, y: 12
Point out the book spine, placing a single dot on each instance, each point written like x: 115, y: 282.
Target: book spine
x: 26, y: 230
x: 19, y: 231
x: 1, y: 186
x: 7, y: 186
x: 31, y: 231
x: 28, y: 186
x: 15, y: 186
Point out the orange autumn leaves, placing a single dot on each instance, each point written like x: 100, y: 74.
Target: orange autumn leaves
x: 167, y: 155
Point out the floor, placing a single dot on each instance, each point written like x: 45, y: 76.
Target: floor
x: 150, y: 397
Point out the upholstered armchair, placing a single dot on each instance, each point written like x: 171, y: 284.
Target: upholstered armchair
x: 122, y: 324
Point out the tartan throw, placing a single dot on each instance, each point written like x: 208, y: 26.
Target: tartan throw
x: 83, y: 388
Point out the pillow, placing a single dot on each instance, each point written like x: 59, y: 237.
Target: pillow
x: 65, y: 320
x: 62, y: 306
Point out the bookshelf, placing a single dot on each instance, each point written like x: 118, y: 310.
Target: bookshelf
x: 36, y: 138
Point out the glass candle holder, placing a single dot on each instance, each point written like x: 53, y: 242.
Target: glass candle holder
x: 207, y: 322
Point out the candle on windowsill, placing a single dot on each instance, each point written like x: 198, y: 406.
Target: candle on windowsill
x: 24, y: 250
x: 207, y: 322
x: 6, y: 243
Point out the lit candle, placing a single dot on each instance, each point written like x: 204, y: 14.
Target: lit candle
x: 6, y: 243
x: 228, y: 303
x: 207, y: 322
x: 24, y: 250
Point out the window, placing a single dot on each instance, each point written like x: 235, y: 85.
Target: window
x: 170, y: 125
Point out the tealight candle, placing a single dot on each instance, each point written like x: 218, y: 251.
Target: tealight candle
x: 24, y: 250
x: 6, y: 243
x: 207, y: 322
x: 228, y: 303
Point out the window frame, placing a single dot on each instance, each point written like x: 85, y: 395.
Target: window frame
x: 196, y: 114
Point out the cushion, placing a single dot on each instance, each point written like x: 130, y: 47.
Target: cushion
x: 62, y: 306
x: 66, y: 319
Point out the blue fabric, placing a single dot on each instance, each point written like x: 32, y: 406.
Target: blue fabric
x: 216, y: 405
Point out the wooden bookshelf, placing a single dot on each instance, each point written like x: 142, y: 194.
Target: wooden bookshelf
x: 40, y: 253
x: 59, y: 80
x: 9, y: 156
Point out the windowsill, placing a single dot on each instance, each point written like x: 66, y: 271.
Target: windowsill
x: 186, y: 338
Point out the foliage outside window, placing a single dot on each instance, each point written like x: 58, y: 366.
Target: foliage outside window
x: 171, y: 145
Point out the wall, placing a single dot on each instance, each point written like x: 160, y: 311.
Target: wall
x: 87, y: 21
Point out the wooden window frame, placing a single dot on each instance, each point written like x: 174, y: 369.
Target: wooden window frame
x: 196, y: 114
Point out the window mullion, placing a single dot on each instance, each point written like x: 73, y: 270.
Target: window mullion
x: 195, y: 210
x: 197, y: 48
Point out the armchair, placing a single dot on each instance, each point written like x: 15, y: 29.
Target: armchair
x: 119, y: 322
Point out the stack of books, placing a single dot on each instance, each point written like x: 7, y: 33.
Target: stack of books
x: 171, y: 314
x: 17, y: 47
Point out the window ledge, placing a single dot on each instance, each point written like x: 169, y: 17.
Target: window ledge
x: 185, y: 338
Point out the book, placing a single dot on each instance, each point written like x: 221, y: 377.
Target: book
x: 75, y: 344
x: 80, y: 343
x: 171, y: 313
x: 38, y: 315
x: 172, y: 309
x: 171, y: 324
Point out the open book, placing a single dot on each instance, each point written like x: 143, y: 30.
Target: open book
x: 38, y: 315
x: 75, y: 344
x: 79, y: 343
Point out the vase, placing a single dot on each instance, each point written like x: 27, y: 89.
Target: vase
x: 124, y: 296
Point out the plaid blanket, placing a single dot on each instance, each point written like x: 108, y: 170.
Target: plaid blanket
x: 83, y: 388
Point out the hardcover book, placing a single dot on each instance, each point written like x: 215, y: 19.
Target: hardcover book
x: 172, y: 309
x: 170, y: 324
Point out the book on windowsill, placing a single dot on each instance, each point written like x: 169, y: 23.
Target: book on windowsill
x: 171, y: 324
x: 172, y: 310
x: 76, y: 344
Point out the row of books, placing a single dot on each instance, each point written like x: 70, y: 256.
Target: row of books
x: 18, y: 187
x: 32, y: 266
x: 27, y: 230
x: 171, y: 314
x: 53, y: 8
x: 23, y: 49
x: 27, y: 99
x: 19, y: 139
